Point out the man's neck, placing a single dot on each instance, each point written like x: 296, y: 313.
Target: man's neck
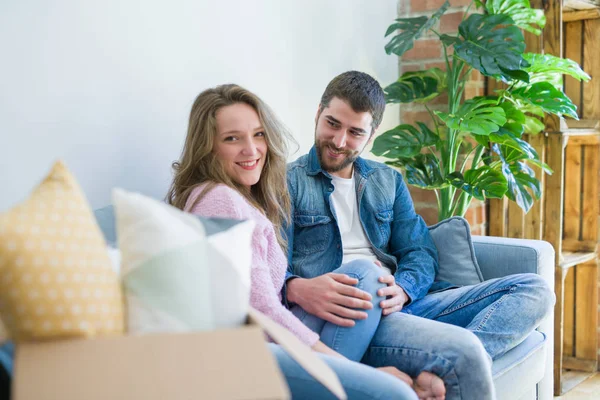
x: 345, y: 173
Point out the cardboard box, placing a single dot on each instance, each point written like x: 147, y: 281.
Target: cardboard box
x: 222, y: 364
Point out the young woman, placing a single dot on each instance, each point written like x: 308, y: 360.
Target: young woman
x: 233, y: 165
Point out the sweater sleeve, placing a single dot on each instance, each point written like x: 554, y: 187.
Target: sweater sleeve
x: 225, y: 202
x: 265, y: 297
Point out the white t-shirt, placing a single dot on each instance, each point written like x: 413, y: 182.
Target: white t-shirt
x: 354, y: 240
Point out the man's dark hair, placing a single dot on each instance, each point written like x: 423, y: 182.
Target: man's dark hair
x: 360, y: 90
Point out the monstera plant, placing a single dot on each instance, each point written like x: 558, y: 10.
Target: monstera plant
x: 476, y: 149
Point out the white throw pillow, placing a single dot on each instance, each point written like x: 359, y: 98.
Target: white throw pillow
x: 175, y: 278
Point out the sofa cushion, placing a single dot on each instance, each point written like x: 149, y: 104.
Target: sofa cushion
x: 57, y: 280
x: 173, y: 274
x: 457, y: 262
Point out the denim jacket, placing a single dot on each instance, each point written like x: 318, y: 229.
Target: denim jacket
x: 398, y: 236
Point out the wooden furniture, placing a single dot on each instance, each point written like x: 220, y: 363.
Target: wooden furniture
x: 567, y: 215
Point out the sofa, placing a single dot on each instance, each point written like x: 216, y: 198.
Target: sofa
x: 525, y: 372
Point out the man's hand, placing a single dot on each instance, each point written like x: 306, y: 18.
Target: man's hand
x: 331, y: 297
x: 397, y: 295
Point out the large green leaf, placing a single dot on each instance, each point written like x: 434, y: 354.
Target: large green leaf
x: 510, y: 139
x: 520, y: 11
x: 549, y: 68
x: 493, y: 45
x: 404, y: 141
x: 418, y: 86
x: 481, y: 183
x: 546, y: 96
x: 410, y: 30
x: 512, y: 155
x: 523, y: 186
x: 423, y: 171
x: 479, y: 116
x: 532, y: 125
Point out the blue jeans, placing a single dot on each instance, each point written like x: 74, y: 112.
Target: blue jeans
x: 429, y: 334
x: 360, y: 381
x: 351, y: 342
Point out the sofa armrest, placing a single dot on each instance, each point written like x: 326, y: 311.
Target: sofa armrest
x: 499, y: 256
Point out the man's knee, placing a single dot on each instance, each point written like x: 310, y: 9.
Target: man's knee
x: 541, y: 295
x: 367, y: 273
x: 362, y: 268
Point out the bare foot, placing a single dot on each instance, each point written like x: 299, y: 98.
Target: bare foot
x: 429, y: 386
x: 398, y: 374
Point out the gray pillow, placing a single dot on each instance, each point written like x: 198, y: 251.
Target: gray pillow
x: 457, y: 261
x: 106, y: 220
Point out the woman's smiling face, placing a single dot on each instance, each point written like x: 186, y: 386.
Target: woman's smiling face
x: 240, y: 144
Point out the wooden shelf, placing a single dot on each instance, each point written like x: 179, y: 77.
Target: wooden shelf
x: 570, y: 259
x: 581, y: 4
x: 580, y: 15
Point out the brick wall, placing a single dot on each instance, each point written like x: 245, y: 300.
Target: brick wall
x: 428, y: 53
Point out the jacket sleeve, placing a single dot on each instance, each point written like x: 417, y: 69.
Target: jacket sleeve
x: 412, y: 245
x: 288, y: 231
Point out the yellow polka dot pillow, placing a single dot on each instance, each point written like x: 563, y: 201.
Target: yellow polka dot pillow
x: 56, y: 278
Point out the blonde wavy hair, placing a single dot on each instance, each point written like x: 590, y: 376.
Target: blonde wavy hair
x: 198, y: 164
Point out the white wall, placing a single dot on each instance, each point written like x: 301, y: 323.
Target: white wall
x: 108, y: 85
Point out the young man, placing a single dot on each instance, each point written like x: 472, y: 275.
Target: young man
x: 347, y: 208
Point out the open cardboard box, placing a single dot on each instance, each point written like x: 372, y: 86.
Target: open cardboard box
x: 221, y: 364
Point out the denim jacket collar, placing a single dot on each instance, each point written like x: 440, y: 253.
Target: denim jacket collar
x: 314, y: 166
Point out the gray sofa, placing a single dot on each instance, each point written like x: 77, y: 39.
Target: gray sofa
x: 525, y: 372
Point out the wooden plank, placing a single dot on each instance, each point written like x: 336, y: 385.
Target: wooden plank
x: 533, y: 43
x: 573, y: 378
x: 583, y: 140
x: 571, y: 259
x: 497, y: 218
x: 590, y: 212
x: 578, y: 364
x: 579, y: 246
x: 586, y: 310
x: 573, y: 47
x: 569, y: 16
x: 581, y: 4
x: 591, y: 64
x: 553, y: 44
x: 515, y: 221
x: 534, y: 218
x: 553, y: 193
x: 559, y: 280
x: 569, y: 313
x: 572, y: 192
x: 583, y: 123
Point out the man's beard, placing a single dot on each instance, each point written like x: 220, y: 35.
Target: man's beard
x: 349, y: 159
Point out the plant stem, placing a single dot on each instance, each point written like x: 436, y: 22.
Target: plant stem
x: 462, y: 204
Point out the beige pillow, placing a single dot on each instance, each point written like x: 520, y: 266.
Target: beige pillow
x: 56, y: 278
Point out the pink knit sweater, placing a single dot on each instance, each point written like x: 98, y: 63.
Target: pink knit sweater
x: 268, y: 261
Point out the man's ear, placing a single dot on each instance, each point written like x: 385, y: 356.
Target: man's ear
x: 319, y: 111
x: 372, y: 137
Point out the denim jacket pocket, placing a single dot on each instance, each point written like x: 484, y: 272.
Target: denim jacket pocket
x: 384, y: 221
x: 311, y: 233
